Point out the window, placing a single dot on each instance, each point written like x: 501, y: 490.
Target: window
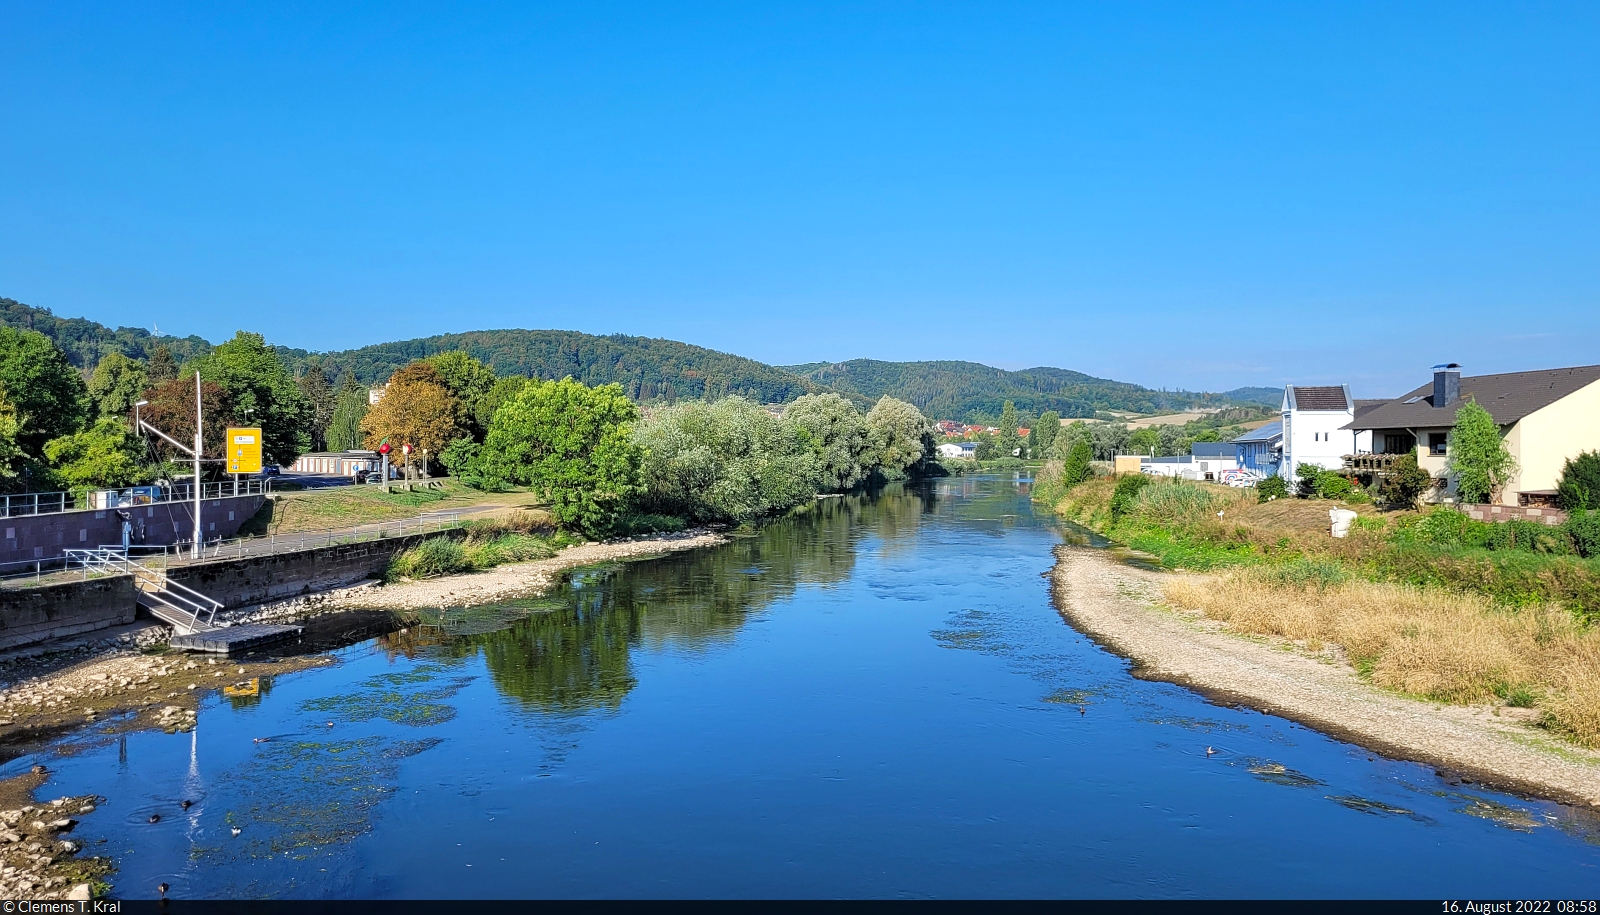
x: 1438, y: 442
x: 1398, y: 443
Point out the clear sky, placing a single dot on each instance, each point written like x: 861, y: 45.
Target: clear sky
x: 1198, y: 195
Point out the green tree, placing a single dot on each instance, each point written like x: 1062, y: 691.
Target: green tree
x: 725, y: 461
x: 262, y: 393
x: 1478, y: 457
x: 1404, y: 482
x: 13, y: 460
x: 1144, y: 441
x: 163, y: 368
x: 504, y: 389
x: 1045, y: 432
x: 48, y: 393
x: 1068, y: 439
x: 836, y: 433
x: 1076, y: 467
x: 313, y: 383
x: 106, y: 455
x: 572, y: 444
x: 470, y: 381
x: 902, y: 438
x: 117, y: 384
x: 1579, y: 487
x: 344, y: 428
x: 1007, y: 439
x: 171, y: 409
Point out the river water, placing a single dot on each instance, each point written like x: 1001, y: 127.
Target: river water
x: 872, y: 698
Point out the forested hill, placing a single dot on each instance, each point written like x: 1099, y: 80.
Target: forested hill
x: 86, y: 342
x: 1272, y: 397
x: 971, y: 391
x: 647, y: 368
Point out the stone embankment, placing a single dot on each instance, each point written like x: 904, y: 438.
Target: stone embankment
x: 1123, y: 608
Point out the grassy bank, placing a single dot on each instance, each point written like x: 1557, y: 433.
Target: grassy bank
x: 1426, y: 603
x: 520, y: 537
x: 349, y: 506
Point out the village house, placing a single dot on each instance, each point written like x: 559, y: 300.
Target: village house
x: 1259, y: 451
x: 339, y: 463
x: 1315, y: 428
x: 1545, y: 417
x: 959, y: 450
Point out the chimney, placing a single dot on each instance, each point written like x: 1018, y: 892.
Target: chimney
x: 1446, y: 384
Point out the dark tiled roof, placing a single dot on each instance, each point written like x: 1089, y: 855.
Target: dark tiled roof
x: 1322, y: 397
x: 1212, y: 449
x: 1507, y: 397
x: 1271, y: 432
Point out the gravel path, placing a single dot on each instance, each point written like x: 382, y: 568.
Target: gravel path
x: 1120, y: 606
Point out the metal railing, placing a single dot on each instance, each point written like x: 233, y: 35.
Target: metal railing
x: 170, y: 601
x: 36, y: 572
x: 23, y: 504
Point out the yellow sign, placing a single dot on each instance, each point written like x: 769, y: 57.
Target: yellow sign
x: 244, y: 450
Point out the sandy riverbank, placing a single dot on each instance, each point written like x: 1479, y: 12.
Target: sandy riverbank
x: 1121, y: 607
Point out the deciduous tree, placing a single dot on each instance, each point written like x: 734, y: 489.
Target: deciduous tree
x: 105, y: 455
x: 572, y: 444
x: 117, y: 384
x: 1478, y: 458
x: 262, y: 393
x: 48, y: 393
x: 416, y: 410
x: 313, y: 383
x: 902, y: 438
x: 344, y: 428
x: 836, y: 433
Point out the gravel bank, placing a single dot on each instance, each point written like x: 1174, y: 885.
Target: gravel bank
x: 497, y: 584
x: 1121, y: 607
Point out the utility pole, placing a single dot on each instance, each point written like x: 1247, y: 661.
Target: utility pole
x: 195, y: 452
x: 198, y: 446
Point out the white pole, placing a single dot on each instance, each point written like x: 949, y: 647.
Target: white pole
x: 198, y: 419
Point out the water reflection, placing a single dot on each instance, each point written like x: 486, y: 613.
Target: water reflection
x: 570, y: 652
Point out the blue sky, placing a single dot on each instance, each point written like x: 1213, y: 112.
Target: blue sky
x: 1198, y: 195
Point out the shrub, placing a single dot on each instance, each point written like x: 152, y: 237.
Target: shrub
x: 1076, y: 468
x: 1330, y: 485
x: 1404, y: 482
x: 1127, y: 488
x: 1175, y: 504
x: 1579, y: 487
x: 1479, y: 459
x: 1583, y: 528
x: 1443, y: 527
x: 1272, y: 488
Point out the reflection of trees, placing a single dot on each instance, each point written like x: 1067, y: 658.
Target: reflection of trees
x: 576, y: 658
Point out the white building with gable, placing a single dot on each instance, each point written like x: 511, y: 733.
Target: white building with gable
x: 1314, y: 417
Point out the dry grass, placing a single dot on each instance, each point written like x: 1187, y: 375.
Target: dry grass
x: 1442, y: 645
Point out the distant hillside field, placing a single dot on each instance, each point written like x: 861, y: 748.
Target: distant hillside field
x: 969, y: 390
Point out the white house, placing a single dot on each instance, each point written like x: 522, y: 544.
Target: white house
x: 1314, y: 421
x: 958, y: 450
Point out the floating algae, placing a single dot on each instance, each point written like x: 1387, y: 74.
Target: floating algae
x: 1279, y: 774
x: 1499, y: 814
x: 385, y: 697
x: 461, y: 622
x: 1373, y: 807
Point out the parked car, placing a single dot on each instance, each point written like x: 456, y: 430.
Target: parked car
x: 270, y: 470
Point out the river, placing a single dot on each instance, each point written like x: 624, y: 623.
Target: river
x: 873, y: 698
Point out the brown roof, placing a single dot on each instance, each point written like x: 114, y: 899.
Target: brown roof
x: 1326, y: 397
x: 1507, y: 397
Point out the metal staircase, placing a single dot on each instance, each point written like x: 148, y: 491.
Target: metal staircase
x: 183, y: 608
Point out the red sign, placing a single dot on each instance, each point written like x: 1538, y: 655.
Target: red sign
x: 406, y: 448
x: 383, y: 448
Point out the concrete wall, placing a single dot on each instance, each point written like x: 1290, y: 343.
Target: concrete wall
x: 259, y: 579
x: 1551, y: 516
x: 29, y: 615
x: 46, y: 536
